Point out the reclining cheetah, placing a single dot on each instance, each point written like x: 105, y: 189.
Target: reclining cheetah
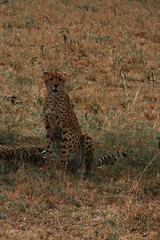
x: 63, y: 129
x: 29, y: 154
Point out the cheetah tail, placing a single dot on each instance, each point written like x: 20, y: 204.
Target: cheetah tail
x: 110, y: 159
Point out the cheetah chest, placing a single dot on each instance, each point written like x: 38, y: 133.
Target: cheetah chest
x: 53, y: 118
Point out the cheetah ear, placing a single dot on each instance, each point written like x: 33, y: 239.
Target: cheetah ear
x: 45, y: 73
x: 65, y: 74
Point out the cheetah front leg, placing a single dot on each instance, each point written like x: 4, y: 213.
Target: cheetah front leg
x: 63, y: 153
x: 49, y: 140
x: 88, y: 152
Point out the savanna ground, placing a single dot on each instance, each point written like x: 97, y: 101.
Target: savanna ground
x: 111, y: 52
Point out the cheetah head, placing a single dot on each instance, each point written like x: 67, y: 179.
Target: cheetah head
x: 54, y: 81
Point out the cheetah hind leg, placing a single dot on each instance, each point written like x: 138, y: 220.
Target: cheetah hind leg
x: 88, y: 152
x: 75, y: 160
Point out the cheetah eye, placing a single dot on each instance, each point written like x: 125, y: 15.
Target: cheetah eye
x: 60, y: 79
x: 51, y: 78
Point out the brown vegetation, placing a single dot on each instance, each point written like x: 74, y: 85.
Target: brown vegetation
x: 111, y: 52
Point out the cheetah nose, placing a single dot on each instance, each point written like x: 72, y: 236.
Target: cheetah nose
x: 56, y: 85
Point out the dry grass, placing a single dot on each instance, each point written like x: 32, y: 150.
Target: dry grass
x: 110, y: 50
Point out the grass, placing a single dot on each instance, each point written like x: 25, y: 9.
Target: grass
x: 110, y: 50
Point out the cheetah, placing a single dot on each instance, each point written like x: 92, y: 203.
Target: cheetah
x: 62, y: 126
x: 63, y: 133
x: 29, y: 154
x: 63, y: 129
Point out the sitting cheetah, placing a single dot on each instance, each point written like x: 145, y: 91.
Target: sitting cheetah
x: 62, y: 126
x: 63, y: 129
